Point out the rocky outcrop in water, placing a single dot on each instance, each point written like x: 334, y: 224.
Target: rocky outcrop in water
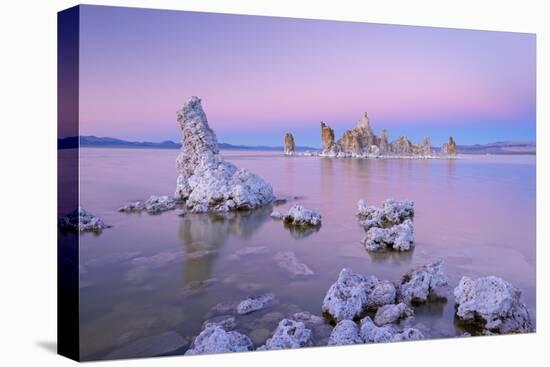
x: 288, y: 335
x: 298, y: 215
x: 371, y: 333
x: 345, y: 332
x: 423, y: 283
x: 398, y: 237
x: 449, y: 148
x: 215, y: 339
x: 153, y: 205
x: 353, y: 294
x: 327, y: 137
x: 493, y: 304
x: 388, y: 227
x: 207, y: 182
x: 389, y: 314
x: 362, y: 142
x: 289, y: 144
x: 81, y: 220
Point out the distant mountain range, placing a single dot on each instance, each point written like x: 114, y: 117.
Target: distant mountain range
x: 503, y: 147
x: 104, y: 142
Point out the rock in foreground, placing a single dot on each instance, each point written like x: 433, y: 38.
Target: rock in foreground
x: 354, y: 294
x: 288, y: 335
x: 423, y: 283
x: 215, y: 339
x: 81, y: 220
x: 345, y: 332
x: 492, y: 304
x: 207, y: 182
x: 389, y: 314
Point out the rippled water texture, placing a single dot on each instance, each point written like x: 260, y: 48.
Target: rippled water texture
x: 138, y: 280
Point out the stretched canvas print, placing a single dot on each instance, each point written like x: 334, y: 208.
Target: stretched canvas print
x: 234, y: 183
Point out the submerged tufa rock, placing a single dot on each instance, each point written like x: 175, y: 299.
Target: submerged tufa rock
x: 289, y: 144
x: 206, y: 181
x: 492, y: 304
x: 256, y: 303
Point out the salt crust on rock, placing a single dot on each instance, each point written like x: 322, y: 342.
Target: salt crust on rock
x: 153, y: 205
x: 207, y: 182
x: 289, y: 334
x: 298, y: 215
x: 492, y: 303
x: 214, y: 339
x: 392, y: 212
x: 422, y: 283
x: 398, y: 237
x: 354, y: 294
x: 289, y: 263
x: 388, y: 314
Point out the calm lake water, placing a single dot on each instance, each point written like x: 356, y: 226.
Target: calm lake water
x: 137, y: 279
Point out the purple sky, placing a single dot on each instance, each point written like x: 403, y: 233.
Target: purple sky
x: 259, y: 77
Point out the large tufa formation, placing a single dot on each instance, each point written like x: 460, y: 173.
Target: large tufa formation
x: 207, y: 182
x: 361, y: 141
x: 289, y: 144
x: 449, y: 148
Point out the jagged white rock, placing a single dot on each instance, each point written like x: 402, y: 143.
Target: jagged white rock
x: 298, y: 215
x: 353, y: 294
x: 345, y: 332
x: 398, y: 237
x: 422, y: 283
x: 371, y: 333
x: 215, y: 339
x: 492, y: 303
x: 289, y: 334
x: 389, y: 314
x: 81, y: 220
x: 207, y: 182
x: 153, y: 205
x: 289, y: 263
x: 255, y: 303
x: 392, y: 212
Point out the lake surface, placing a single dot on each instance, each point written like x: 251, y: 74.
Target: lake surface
x: 137, y: 279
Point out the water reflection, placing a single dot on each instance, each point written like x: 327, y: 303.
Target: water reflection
x: 392, y: 257
x: 205, y: 234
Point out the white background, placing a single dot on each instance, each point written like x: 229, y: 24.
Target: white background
x: 28, y: 181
